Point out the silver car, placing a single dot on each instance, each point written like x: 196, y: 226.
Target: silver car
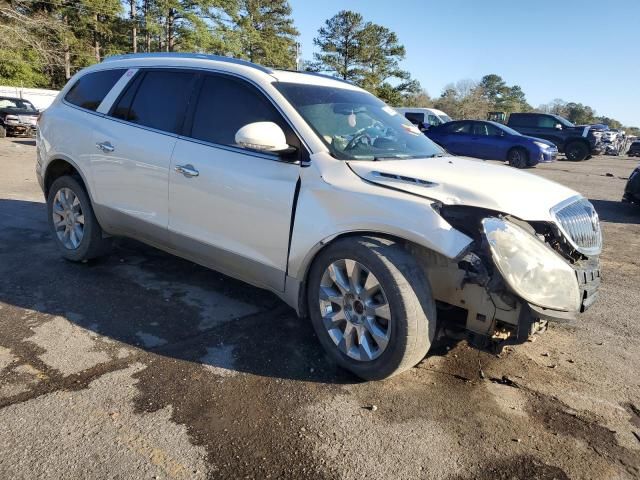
x: 312, y: 188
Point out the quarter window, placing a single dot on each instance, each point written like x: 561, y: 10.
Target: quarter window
x: 225, y: 105
x: 157, y: 100
x: 90, y: 89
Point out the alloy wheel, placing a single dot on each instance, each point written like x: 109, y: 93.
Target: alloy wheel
x: 68, y: 218
x: 355, y: 310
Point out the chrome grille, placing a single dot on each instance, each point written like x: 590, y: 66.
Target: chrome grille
x: 579, y: 223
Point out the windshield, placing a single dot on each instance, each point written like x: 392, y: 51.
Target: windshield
x: 564, y: 121
x: 355, y: 125
x: 445, y: 118
x: 510, y: 131
x: 16, y: 104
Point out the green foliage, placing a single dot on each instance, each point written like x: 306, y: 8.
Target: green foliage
x: 21, y: 68
x: 366, y: 54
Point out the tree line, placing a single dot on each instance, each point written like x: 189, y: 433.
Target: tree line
x: 44, y: 42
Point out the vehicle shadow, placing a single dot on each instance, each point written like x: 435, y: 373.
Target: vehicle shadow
x: 617, y: 211
x: 30, y: 143
x: 149, y: 300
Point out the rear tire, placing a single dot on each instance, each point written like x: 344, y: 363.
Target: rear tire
x: 576, y: 151
x: 404, y: 296
x: 518, y: 157
x: 73, y: 224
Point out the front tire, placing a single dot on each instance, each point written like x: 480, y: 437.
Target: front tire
x: 73, y: 224
x: 576, y: 151
x: 371, y: 306
x: 518, y: 158
x: 3, y: 132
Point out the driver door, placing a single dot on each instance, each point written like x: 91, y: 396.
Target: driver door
x: 230, y: 207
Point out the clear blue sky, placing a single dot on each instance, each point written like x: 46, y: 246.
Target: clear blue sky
x: 581, y: 51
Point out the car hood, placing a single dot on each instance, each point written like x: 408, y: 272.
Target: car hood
x: 539, y: 140
x: 465, y: 181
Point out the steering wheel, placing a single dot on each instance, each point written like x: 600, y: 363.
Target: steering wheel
x: 358, y: 138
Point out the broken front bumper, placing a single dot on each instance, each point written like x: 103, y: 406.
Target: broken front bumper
x: 588, y: 277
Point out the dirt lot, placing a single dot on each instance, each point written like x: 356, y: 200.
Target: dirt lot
x: 141, y: 365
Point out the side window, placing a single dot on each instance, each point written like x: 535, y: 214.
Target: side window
x: 433, y: 120
x: 90, y: 89
x: 458, y: 127
x: 414, y: 117
x: 485, y: 129
x: 522, y: 121
x: 157, y: 99
x: 225, y: 105
x: 547, y: 122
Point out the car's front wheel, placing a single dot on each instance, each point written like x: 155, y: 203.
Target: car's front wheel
x: 75, y: 228
x: 371, y: 306
x: 576, y: 151
x: 518, y: 158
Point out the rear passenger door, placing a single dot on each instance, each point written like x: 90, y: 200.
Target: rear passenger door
x: 133, y: 147
x: 233, y: 211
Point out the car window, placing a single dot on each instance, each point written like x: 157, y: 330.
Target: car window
x: 522, y: 121
x: 485, y: 129
x: 156, y: 99
x: 16, y: 104
x: 415, y: 117
x: 225, y: 105
x: 433, y: 120
x: 458, y: 127
x: 547, y: 122
x: 90, y: 89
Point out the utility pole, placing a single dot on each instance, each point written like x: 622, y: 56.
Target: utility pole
x: 298, y: 56
x: 134, y: 26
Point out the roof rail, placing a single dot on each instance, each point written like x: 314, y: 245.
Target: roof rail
x: 317, y: 74
x: 200, y: 56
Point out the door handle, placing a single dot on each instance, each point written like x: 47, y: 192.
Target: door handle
x: 105, y: 147
x: 187, y: 170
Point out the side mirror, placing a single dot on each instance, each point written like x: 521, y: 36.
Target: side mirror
x: 264, y: 137
x: 558, y: 126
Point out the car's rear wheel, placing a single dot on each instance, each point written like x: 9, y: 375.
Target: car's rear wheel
x: 518, y: 157
x: 75, y: 228
x: 576, y: 151
x: 371, y: 306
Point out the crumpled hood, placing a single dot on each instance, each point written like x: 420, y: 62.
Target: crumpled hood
x: 465, y: 181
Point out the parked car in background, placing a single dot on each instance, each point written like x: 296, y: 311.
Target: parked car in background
x: 576, y: 142
x: 17, y: 117
x: 632, y: 188
x: 316, y: 190
x: 634, y: 149
x: 424, y: 118
x: 492, y: 140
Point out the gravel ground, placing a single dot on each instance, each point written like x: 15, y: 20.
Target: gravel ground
x: 141, y: 365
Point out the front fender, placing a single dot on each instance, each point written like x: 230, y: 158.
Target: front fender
x: 326, y: 211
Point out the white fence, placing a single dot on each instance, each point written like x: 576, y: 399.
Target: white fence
x: 40, y: 98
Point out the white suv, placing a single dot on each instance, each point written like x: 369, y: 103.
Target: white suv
x: 316, y: 190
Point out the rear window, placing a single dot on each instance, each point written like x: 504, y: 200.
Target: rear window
x: 90, y: 89
x: 523, y: 121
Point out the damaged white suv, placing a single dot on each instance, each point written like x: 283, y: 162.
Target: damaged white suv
x: 316, y: 190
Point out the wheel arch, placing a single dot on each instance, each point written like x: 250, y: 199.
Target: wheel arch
x: 519, y: 147
x: 59, y: 166
x: 301, y: 304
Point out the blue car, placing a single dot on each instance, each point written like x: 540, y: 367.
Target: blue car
x: 494, y: 141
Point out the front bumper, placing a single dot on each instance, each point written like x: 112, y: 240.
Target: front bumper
x: 550, y: 155
x: 632, y: 189
x: 588, y: 278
